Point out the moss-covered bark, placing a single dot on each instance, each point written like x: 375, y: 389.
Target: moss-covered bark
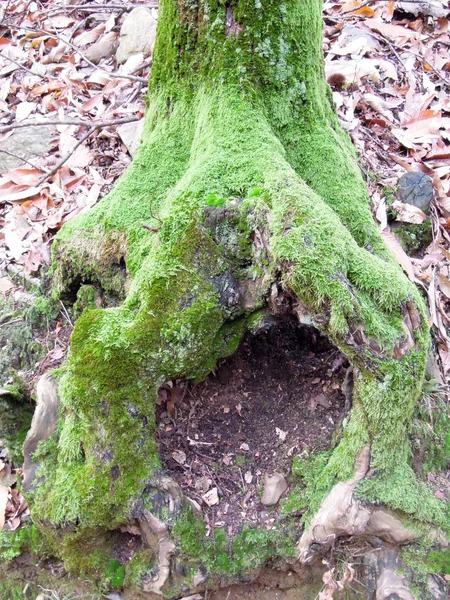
x: 253, y: 187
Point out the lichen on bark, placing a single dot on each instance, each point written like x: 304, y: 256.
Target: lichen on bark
x: 250, y: 183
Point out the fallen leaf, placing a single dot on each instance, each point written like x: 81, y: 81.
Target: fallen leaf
x: 5, y: 285
x: 407, y: 213
x: 179, y: 456
x: 444, y: 284
x: 4, y: 493
x: 211, y: 498
x: 280, y: 433
x: 400, y: 255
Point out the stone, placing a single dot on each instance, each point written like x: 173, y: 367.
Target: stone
x: 426, y: 8
x: 274, y: 487
x: 29, y: 143
x: 200, y: 577
x: 104, y: 48
x: 138, y: 34
x: 416, y: 189
x: 130, y: 134
x: 43, y: 426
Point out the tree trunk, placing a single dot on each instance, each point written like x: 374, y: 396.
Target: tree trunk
x: 252, y: 194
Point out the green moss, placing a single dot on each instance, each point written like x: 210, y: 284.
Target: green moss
x: 43, y: 311
x: 139, y: 567
x: 16, y: 412
x: 14, y: 543
x: 249, y: 550
x: 439, y: 561
x: 414, y: 238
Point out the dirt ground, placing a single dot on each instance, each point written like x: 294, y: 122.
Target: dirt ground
x: 279, y: 395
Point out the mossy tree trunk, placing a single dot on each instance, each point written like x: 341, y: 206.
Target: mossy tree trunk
x: 254, y: 192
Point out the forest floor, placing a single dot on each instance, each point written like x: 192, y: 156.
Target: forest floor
x: 281, y: 394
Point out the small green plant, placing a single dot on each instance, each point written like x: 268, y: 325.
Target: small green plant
x: 215, y: 200
x: 115, y: 573
x: 14, y: 543
x: 43, y: 311
x: 239, y: 460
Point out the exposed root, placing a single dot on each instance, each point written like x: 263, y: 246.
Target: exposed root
x: 341, y: 514
x: 389, y: 580
x: 165, y: 549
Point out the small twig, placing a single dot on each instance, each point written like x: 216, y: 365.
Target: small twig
x: 153, y: 229
x: 78, y: 51
x: 98, y: 7
x: 5, y: 10
x: 60, y: 163
x: 16, y: 63
x: 66, y: 314
x: 16, y: 320
x: 345, y: 12
x: 14, y: 126
x: 144, y: 65
x: 153, y: 216
x: 20, y: 158
x: 87, y: 135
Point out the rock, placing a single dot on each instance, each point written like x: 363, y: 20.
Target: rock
x: 104, y: 48
x: 416, y: 189
x: 211, y: 498
x: 274, y: 487
x: 200, y: 577
x: 138, y: 34
x: 130, y: 134
x: 29, y: 143
x: 427, y: 8
x: 43, y: 425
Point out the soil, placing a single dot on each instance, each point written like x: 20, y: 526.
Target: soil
x: 279, y: 395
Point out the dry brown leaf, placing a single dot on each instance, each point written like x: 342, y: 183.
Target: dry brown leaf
x: 13, y: 192
x: 407, y: 213
x: 400, y: 255
x: 4, y: 493
x: 394, y: 32
x: 23, y: 176
x: 444, y: 284
x: 5, y: 285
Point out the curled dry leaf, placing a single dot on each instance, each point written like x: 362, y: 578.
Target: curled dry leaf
x: 444, y: 284
x: 400, y: 255
x: 5, y: 284
x: 407, y: 213
x: 4, y: 493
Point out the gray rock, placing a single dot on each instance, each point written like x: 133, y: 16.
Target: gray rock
x: 427, y: 8
x: 274, y: 487
x: 416, y: 189
x: 138, y: 34
x: 43, y: 425
x: 104, y: 48
x: 29, y: 143
x: 200, y: 577
x: 130, y: 134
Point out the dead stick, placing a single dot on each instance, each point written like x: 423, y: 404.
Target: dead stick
x: 97, y: 7
x: 78, y: 51
x: 87, y: 135
x: 21, y: 158
x: 14, y: 126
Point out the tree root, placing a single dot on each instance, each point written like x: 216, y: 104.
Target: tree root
x: 165, y: 549
x: 342, y: 514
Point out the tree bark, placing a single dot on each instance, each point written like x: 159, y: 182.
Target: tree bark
x: 252, y: 192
